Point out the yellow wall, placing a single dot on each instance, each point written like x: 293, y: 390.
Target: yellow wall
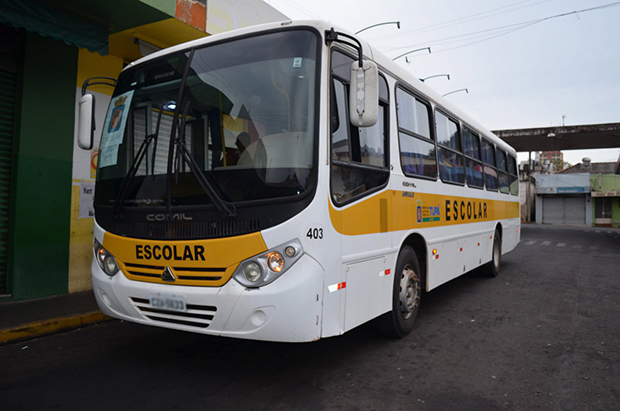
x: 94, y: 64
x: 81, y: 240
x: 80, y: 248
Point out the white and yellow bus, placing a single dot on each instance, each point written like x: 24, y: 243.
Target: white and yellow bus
x: 271, y: 184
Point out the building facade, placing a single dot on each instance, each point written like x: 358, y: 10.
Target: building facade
x: 584, y: 194
x: 563, y: 199
x: 552, y: 156
x: 606, y: 199
x: 48, y: 49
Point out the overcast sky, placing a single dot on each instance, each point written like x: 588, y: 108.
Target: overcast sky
x: 519, y: 75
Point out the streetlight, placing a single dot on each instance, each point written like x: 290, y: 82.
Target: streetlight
x: 456, y: 91
x: 379, y: 24
x: 412, y: 51
x: 436, y: 75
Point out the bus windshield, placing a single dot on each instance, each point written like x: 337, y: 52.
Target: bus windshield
x: 230, y: 122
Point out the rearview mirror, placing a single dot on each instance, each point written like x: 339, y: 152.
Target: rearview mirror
x: 364, y: 94
x: 86, y: 122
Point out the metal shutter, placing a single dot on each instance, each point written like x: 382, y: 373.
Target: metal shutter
x: 553, y: 210
x: 575, y: 210
x: 564, y: 210
x: 8, y: 90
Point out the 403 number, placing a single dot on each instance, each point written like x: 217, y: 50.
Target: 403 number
x: 315, y: 233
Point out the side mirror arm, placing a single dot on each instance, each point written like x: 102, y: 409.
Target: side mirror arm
x: 333, y: 35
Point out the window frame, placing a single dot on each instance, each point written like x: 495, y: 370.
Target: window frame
x: 485, y: 164
x: 500, y: 152
x: 479, y: 161
x: 509, y: 158
x: 431, y: 120
x: 385, y: 103
x: 439, y: 146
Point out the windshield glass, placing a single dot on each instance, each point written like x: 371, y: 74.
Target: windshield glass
x: 241, y: 121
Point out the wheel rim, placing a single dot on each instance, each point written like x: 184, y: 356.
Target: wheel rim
x: 409, y: 294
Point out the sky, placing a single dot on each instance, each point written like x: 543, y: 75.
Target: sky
x: 522, y: 66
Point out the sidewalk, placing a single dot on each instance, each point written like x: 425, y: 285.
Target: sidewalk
x: 34, y: 318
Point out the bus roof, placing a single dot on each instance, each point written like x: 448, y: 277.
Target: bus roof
x: 384, y: 62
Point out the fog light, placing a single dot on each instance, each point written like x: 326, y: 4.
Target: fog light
x: 275, y: 261
x: 252, y: 272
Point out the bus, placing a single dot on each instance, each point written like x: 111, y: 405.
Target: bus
x: 288, y: 182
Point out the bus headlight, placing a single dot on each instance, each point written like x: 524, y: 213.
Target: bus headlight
x: 252, y: 272
x: 265, y: 268
x: 106, y: 261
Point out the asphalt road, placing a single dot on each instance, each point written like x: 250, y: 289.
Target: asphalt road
x: 545, y: 334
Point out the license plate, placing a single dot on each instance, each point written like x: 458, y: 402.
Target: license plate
x: 168, y: 302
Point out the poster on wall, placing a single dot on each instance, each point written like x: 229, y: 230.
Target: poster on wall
x: 114, y: 129
x: 87, y: 195
x: 94, y: 158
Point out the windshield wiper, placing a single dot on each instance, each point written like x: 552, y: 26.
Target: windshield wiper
x: 135, y: 165
x: 161, y: 109
x: 226, y: 208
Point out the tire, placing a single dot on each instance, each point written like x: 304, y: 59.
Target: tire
x: 492, y: 268
x: 405, y: 297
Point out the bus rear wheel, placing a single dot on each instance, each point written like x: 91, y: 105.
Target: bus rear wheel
x: 493, y: 266
x: 405, y: 298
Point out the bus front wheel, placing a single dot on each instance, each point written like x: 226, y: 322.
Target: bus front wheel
x: 405, y: 297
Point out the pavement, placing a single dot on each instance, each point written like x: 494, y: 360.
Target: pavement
x: 24, y: 320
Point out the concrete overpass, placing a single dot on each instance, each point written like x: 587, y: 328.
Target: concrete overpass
x: 566, y: 137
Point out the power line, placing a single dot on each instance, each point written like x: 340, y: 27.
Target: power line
x: 506, y: 29
x: 486, y: 39
x: 459, y: 37
x: 303, y: 10
x: 461, y: 20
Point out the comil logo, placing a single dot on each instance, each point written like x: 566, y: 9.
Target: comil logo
x: 168, y: 217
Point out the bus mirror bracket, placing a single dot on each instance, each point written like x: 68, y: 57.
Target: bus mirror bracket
x: 364, y: 87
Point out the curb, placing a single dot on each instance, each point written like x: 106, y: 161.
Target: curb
x: 40, y: 328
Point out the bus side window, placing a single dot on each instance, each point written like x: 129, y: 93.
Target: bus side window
x: 359, y: 155
x: 417, y: 148
x: 504, y: 186
x: 473, y: 164
x: 449, y: 151
x: 512, y: 172
x: 490, y: 173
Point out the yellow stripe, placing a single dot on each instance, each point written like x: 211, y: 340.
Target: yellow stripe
x: 50, y: 326
x: 220, y: 253
x: 408, y: 210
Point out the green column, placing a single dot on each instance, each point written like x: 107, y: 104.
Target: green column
x: 615, y: 211
x: 41, y: 200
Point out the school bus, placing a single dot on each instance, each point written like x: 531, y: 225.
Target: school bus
x: 288, y: 182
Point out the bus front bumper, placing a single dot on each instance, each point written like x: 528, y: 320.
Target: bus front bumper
x: 287, y: 310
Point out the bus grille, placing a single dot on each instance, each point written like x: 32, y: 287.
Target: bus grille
x: 184, y: 230
x: 199, y: 316
x: 200, y: 276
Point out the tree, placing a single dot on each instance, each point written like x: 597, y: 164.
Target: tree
x: 559, y: 165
